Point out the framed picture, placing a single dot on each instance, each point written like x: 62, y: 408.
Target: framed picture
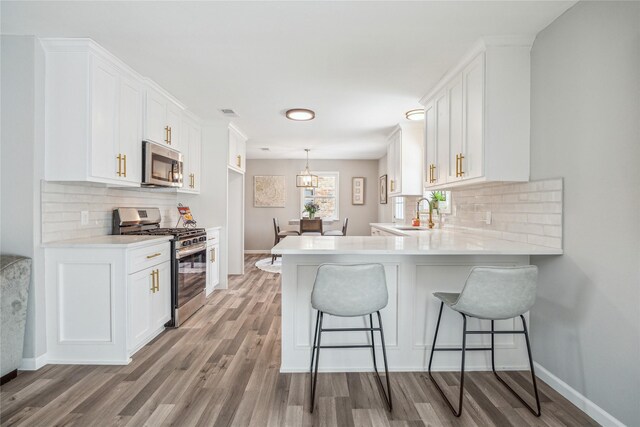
x: 269, y: 191
x: 382, y: 187
x: 357, y: 190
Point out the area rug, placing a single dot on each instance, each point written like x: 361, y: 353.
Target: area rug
x: 265, y: 265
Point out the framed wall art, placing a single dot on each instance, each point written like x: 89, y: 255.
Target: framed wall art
x: 382, y: 189
x: 269, y: 191
x: 357, y: 190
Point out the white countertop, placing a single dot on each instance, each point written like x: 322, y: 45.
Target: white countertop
x: 111, y: 241
x: 430, y: 242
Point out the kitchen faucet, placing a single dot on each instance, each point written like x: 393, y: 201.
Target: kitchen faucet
x: 420, y: 200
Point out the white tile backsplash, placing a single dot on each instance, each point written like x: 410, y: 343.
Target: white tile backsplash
x: 62, y: 203
x: 523, y: 212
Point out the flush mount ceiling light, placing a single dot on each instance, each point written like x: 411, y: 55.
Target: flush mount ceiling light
x: 300, y: 114
x: 417, y: 114
x: 307, y: 179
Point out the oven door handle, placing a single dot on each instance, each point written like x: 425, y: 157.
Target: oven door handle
x: 181, y: 253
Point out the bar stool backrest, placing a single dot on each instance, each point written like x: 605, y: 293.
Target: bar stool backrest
x: 498, y: 292
x: 276, y: 226
x: 350, y: 290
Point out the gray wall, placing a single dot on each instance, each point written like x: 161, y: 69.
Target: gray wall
x: 585, y: 115
x: 22, y: 169
x: 258, y: 221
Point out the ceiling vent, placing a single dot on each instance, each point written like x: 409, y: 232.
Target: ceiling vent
x: 265, y: 149
x: 228, y: 112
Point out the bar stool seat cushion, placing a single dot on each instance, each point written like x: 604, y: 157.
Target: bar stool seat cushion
x: 311, y: 233
x: 333, y: 233
x: 350, y: 290
x: 449, y: 298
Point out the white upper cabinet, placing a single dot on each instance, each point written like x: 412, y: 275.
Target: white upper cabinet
x: 93, y: 106
x: 191, y: 148
x: 477, y: 117
x: 404, y: 160
x: 237, y: 149
x: 98, y: 111
x: 162, y: 119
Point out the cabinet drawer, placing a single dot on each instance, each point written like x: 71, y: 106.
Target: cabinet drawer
x: 146, y: 257
x: 213, y: 237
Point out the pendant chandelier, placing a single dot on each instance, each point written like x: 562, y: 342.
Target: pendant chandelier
x: 307, y: 179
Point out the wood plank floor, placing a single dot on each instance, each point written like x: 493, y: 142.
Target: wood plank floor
x: 221, y: 369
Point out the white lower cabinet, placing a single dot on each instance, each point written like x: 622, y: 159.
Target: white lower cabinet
x: 104, y: 301
x: 148, y: 303
x: 213, y: 259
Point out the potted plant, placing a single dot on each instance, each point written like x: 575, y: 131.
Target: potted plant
x: 311, y: 208
x: 436, y: 198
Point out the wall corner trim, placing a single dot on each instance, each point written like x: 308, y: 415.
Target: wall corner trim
x: 601, y: 416
x: 33, y: 363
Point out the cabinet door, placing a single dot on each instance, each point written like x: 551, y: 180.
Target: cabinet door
x: 473, y: 86
x: 155, y: 123
x: 455, y: 100
x: 391, y: 167
x: 161, y: 298
x: 139, y: 305
x: 430, y: 151
x: 174, y: 122
x: 104, y: 110
x: 233, y: 148
x: 397, y: 158
x: 195, y: 156
x: 213, y: 272
x: 241, y: 153
x: 129, y: 130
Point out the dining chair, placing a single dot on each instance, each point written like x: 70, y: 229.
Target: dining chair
x: 279, y: 235
x: 342, y: 232
x: 311, y: 227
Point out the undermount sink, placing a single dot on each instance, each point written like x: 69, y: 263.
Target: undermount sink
x: 410, y: 227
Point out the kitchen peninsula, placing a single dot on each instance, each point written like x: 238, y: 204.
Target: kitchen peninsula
x: 415, y: 266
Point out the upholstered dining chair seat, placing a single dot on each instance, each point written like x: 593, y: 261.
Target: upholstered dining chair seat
x: 333, y: 233
x: 286, y: 233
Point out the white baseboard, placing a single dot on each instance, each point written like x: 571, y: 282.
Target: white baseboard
x: 257, y: 251
x: 33, y: 363
x: 601, y: 416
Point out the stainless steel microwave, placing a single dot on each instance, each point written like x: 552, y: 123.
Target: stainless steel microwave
x: 162, y: 166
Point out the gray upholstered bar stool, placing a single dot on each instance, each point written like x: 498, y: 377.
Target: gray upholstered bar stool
x: 349, y: 291
x: 492, y: 293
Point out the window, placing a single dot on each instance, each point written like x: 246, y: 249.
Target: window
x: 325, y: 195
x: 398, y: 208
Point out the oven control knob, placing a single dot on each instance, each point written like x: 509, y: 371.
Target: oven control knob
x: 203, y: 238
x: 195, y: 240
x: 186, y: 243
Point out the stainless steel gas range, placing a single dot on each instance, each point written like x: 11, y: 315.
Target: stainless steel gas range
x: 188, y: 256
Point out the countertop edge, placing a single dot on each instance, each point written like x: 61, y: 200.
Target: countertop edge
x: 85, y: 243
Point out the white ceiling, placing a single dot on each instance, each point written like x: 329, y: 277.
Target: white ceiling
x: 359, y: 65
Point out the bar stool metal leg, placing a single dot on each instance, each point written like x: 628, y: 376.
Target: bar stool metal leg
x: 537, y: 411
x: 315, y: 338
x: 386, y: 395
x: 314, y: 376
x: 463, y: 349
